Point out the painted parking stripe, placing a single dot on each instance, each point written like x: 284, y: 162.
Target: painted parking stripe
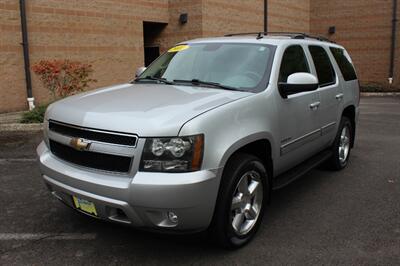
x: 28, y: 236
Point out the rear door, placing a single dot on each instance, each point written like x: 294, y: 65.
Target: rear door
x: 330, y: 91
x: 348, y: 75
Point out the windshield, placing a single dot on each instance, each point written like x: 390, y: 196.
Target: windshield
x: 235, y: 65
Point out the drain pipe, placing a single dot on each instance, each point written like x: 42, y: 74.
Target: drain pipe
x: 25, y: 45
x: 393, y: 42
x: 265, y: 15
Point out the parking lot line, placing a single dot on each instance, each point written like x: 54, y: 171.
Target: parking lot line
x: 46, y: 236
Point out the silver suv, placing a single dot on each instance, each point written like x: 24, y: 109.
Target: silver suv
x: 203, y: 135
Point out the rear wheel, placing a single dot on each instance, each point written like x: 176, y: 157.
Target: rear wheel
x: 342, y: 145
x: 240, y: 207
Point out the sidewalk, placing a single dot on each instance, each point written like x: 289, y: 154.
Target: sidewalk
x: 10, y: 122
x: 380, y: 94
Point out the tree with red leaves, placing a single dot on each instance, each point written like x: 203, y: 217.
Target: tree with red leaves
x: 63, y: 77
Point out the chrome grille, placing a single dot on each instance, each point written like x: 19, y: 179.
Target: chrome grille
x: 93, y: 134
x: 106, y: 162
x: 107, y: 150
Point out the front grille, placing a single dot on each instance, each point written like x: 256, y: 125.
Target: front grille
x: 93, y: 134
x: 107, y: 162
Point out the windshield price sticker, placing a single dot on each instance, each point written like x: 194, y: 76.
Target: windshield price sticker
x: 178, y: 48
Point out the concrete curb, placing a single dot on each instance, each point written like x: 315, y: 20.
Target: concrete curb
x: 20, y: 127
x: 11, y: 118
x: 379, y: 94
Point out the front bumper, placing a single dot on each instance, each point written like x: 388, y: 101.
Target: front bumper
x: 142, y: 200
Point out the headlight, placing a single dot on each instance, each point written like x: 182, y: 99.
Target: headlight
x: 178, y: 154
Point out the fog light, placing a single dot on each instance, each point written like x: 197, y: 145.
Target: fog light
x: 172, y: 217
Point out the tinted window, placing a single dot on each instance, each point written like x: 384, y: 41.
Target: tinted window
x: 323, y: 65
x: 294, y: 60
x: 346, y: 67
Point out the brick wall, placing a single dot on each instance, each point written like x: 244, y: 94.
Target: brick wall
x: 364, y: 28
x: 221, y: 17
x: 289, y: 15
x: 177, y: 32
x: 397, y: 51
x: 12, y: 78
x: 109, y: 34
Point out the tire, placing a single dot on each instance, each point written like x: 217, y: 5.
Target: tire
x: 341, y: 146
x: 239, y: 169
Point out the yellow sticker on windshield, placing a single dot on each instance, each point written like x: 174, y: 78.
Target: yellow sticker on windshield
x: 178, y: 48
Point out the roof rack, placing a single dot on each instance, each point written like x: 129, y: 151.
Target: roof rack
x: 292, y: 35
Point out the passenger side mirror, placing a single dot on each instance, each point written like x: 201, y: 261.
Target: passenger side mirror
x: 139, y: 71
x: 298, y: 82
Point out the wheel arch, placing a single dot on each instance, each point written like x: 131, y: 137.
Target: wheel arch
x: 259, y: 145
x: 350, y: 113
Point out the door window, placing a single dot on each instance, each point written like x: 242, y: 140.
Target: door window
x: 323, y: 66
x: 345, y: 65
x: 294, y: 60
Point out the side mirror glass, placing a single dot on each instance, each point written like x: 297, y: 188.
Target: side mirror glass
x: 298, y: 82
x: 139, y: 71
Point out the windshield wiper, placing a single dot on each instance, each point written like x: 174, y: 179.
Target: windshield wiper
x: 163, y: 80
x: 207, y: 83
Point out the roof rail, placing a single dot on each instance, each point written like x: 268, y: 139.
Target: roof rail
x: 293, y: 35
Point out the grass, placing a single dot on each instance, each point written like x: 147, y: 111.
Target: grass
x: 34, y: 116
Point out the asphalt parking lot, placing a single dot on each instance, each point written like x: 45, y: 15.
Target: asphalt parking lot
x: 348, y: 217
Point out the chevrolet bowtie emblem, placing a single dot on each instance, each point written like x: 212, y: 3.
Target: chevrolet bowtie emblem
x: 79, y: 144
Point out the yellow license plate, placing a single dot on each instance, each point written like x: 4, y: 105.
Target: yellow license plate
x: 85, y: 206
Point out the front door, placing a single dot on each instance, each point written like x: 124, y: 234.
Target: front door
x: 298, y: 114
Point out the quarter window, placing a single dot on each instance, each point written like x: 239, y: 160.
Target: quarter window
x: 294, y: 60
x: 344, y: 63
x: 326, y: 74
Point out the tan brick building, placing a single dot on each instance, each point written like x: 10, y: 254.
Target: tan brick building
x: 112, y: 35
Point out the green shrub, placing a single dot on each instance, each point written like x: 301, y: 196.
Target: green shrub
x: 34, y: 116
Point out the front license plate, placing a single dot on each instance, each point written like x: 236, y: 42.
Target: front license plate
x: 84, y: 205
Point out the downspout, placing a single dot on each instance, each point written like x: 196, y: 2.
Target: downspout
x: 265, y: 16
x: 393, y: 42
x: 25, y: 45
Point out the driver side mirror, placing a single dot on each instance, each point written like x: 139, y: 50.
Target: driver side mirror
x: 139, y: 71
x: 298, y: 82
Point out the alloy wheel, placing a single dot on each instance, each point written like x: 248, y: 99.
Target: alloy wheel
x: 246, y: 202
x: 344, y: 144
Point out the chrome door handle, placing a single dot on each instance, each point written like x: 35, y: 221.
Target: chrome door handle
x: 314, y: 106
x: 339, y: 96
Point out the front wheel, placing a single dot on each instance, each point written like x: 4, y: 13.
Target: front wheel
x: 240, y: 207
x: 342, y: 145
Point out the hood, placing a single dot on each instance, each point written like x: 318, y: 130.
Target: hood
x: 143, y: 109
